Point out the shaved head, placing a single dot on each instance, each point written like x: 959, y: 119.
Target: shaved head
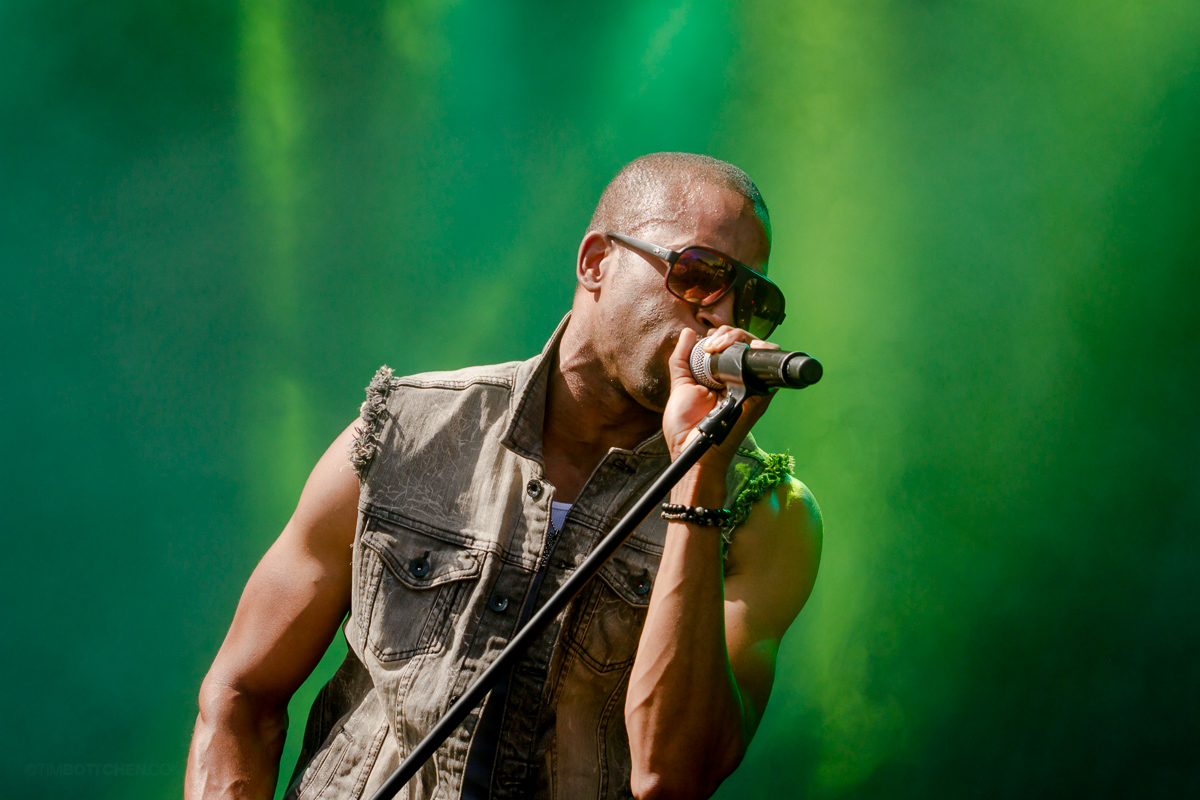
x: 624, y: 318
x: 640, y: 192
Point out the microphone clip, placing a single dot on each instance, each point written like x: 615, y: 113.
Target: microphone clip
x: 717, y: 424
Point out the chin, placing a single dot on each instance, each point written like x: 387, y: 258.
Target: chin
x: 653, y: 392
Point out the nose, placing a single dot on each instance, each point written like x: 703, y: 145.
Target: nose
x: 720, y: 313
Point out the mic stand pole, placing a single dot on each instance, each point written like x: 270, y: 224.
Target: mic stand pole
x: 713, y: 430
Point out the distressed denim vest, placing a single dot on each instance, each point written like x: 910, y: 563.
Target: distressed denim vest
x: 453, y: 534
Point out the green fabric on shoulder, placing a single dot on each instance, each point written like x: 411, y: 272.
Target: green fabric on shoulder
x: 777, y: 467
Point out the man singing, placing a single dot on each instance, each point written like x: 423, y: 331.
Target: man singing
x: 458, y: 502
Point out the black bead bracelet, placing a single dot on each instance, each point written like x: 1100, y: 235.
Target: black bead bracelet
x: 697, y: 515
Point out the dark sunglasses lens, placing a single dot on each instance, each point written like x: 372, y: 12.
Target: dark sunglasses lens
x: 700, y: 276
x: 759, y: 307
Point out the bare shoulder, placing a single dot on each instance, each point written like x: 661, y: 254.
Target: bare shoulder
x: 299, y: 592
x: 325, y: 515
x: 775, y: 553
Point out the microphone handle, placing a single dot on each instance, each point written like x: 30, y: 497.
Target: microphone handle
x: 767, y: 369
x: 759, y: 370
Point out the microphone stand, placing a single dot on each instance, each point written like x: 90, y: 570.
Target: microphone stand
x: 713, y: 430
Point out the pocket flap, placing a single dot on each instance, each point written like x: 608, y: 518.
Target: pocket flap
x: 631, y: 574
x: 421, y: 561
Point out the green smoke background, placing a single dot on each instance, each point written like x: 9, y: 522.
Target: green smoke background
x: 218, y: 218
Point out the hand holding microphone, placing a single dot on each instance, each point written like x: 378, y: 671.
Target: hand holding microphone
x: 736, y: 374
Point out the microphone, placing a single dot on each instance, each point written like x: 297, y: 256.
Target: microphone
x: 757, y: 370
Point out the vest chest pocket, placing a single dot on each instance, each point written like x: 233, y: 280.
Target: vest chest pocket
x: 613, y: 611
x: 411, y: 584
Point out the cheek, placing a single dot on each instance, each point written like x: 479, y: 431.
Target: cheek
x: 642, y: 319
x: 635, y: 310
x: 649, y: 330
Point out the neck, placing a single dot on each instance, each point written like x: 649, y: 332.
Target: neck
x: 588, y: 412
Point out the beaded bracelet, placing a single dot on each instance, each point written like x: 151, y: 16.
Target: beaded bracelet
x: 697, y: 515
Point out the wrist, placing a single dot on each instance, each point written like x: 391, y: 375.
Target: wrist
x: 700, y: 487
x: 697, y: 515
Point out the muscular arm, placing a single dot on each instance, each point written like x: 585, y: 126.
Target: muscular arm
x: 289, y: 612
x: 706, y: 659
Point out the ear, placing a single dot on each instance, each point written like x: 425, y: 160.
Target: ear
x: 594, y: 261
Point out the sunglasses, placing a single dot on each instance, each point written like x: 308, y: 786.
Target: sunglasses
x: 701, y: 276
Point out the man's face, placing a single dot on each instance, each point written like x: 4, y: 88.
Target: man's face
x: 641, y: 319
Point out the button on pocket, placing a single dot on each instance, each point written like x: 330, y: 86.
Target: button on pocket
x: 534, y: 489
x: 630, y: 573
x: 414, y: 585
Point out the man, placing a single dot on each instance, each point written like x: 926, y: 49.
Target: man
x: 453, y: 525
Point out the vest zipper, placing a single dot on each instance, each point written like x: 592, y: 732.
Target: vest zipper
x: 551, y: 540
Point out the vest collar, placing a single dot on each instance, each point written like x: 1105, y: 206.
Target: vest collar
x: 527, y: 403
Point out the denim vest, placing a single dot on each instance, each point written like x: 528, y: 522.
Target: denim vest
x: 453, y: 533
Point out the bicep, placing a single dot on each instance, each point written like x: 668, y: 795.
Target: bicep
x: 772, y: 568
x: 299, y: 592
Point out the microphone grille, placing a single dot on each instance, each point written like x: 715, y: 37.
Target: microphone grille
x: 700, y: 368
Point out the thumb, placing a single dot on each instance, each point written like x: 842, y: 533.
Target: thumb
x: 680, y: 365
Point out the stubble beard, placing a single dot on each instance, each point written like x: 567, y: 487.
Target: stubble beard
x: 654, y: 386
x: 656, y: 390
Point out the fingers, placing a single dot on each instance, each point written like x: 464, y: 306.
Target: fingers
x: 680, y: 364
x: 717, y: 340
x: 720, y: 338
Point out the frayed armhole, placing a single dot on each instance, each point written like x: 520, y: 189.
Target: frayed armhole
x: 373, y: 414
x: 777, y: 468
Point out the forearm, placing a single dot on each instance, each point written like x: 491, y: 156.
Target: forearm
x: 684, y: 712
x: 235, y: 748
